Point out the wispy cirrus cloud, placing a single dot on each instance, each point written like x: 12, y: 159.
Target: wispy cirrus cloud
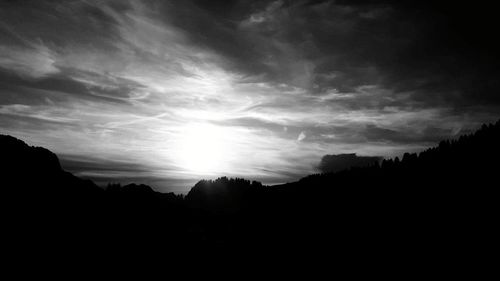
x: 263, y: 88
x: 37, y: 62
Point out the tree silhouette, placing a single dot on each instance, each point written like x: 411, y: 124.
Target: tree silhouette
x: 437, y: 199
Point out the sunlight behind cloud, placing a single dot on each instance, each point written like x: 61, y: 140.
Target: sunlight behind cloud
x: 180, y: 95
x: 203, y: 148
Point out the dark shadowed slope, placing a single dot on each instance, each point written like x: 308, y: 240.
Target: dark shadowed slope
x: 46, y: 209
x: 441, y: 204
x: 34, y: 185
x: 36, y: 169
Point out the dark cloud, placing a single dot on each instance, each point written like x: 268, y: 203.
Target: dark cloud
x: 216, y: 26
x: 12, y: 122
x: 104, y: 171
x: 64, y: 22
x: 439, y: 53
x: 413, y: 132
x: 80, y: 164
x: 84, y: 85
x: 252, y: 123
x: 433, y: 52
x: 308, y: 77
x: 428, y: 134
x: 339, y: 162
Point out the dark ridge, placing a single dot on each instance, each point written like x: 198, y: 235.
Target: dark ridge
x: 439, y: 205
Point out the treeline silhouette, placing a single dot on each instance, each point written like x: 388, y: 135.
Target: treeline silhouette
x: 439, y: 203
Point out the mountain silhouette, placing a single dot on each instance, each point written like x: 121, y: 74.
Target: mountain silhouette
x: 440, y: 202
x: 37, y: 170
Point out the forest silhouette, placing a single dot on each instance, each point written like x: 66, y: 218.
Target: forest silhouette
x: 442, y: 201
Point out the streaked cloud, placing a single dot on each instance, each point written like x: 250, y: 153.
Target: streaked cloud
x: 169, y: 92
x: 30, y: 63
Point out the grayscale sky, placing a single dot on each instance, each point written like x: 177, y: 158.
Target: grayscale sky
x: 171, y: 92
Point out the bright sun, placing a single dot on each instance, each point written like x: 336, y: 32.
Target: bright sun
x: 203, y: 148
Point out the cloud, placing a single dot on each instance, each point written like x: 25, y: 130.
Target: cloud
x: 104, y: 171
x: 282, y: 82
x: 32, y: 63
x: 416, y: 51
x: 339, y: 162
x: 301, y: 136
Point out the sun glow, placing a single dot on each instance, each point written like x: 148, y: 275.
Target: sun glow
x: 204, y: 148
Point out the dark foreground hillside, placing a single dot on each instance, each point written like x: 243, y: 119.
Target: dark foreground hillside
x: 437, y: 207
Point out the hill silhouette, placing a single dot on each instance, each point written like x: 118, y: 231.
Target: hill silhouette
x: 439, y: 203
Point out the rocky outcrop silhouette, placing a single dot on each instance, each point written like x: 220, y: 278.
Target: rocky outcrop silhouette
x: 338, y: 162
x: 26, y: 169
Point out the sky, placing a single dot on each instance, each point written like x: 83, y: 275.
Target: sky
x: 171, y: 92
